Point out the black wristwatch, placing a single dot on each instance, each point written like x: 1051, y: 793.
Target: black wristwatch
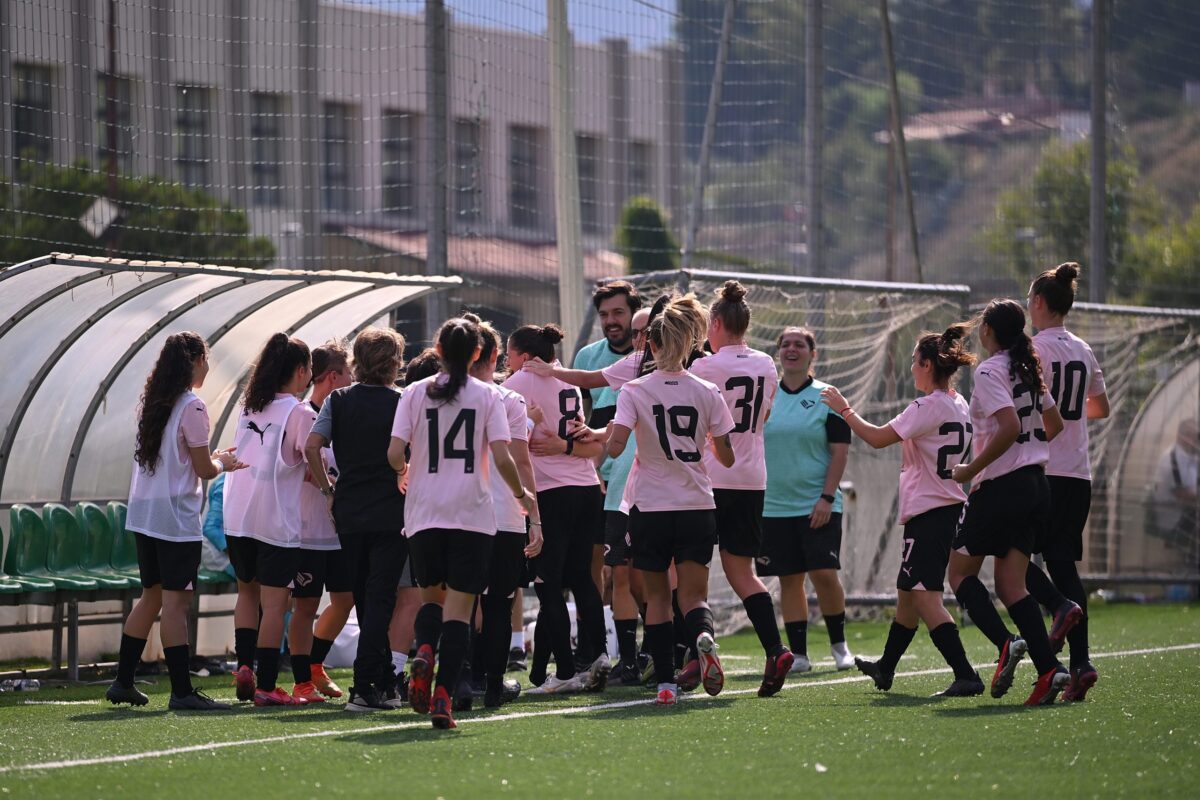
x: 828, y: 498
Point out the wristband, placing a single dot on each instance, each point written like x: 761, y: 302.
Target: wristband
x: 520, y: 496
x: 535, y: 524
x: 845, y: 411
x: 828, y: 498
x: 220, y: 465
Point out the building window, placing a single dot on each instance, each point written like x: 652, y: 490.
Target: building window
x: 523, y: 177
x: 641, y: 169
x: 587, y: 151
x: 468, y: 170
x: 335, y: 157
x: 33, y: 131
x: 400, y: 162
x: 193, y: 104
x: 123, y: 127
x: 266, y: 149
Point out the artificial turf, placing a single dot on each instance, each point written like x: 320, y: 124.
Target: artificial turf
x: 828, y: 734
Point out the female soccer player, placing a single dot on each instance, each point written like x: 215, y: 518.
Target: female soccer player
x: 263, y: 511
x: 322, y: 564
x: 571, y: 503
x: 747, y: 380
x: 806, y: 448
x: 368, y: 507
x: 451, y: 421
x: 672, y: 413
x: 936, y: 432
x: 170, y: 460
x: 1077, y: 385
x: 1013, y: 419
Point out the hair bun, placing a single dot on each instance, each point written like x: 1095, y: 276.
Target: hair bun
x: 732, y: 291
x: 552, y: 333
x: 1067, y: 273
x: 472, y: 317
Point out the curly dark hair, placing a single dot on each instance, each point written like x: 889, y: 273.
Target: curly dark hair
x: 276, y: 364
x: 171, y: 377
x: 946, y: 350
x: 1006, y: 318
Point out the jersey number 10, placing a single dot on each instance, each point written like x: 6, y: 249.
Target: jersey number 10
x: 1070, y: 378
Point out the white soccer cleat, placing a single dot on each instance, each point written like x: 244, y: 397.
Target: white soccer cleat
x: 800, y: 665
x: 555, y: 685
x: 842, y: 657
x: 596, y: 677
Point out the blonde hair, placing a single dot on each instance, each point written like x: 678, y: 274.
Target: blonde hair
x: 677, y: 332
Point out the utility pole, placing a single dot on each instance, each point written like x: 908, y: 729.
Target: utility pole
x: 1098, y: 284
x: 437, y: 131
x: 110, y: 116
x: 814, y: 132
x: 898, y: 133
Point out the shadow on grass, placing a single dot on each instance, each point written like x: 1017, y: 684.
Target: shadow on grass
x: 983, y: 710
x: 393, y: 736
x: 892, y: 700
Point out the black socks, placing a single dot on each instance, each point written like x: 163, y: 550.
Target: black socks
x: 453, y: 651
x: 946, y: 639
x: 428, y: 625
x: 698, y: 621
x: 626, y: 638
x: 320, y: 649
x: 836, y: 625
x: 268, y: 667
x: 797, y: 634
x: 660, y: 640
x: 1028, y: 617
x: 177, y: 667
x: 761, y: 611
x: 301, y: 668
x: 898, y: 640
x: 131, y: 654
x: 1065, y: 575
x: 975, y: 598
x: 245, y: 642
x: 1042, y: 589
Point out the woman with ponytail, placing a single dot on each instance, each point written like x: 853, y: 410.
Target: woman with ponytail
x: 935, y: 433
x: 1014, y: 418
x: 263, y: 512
x: 572, y: 506
x: 452, y: 422
x: 674, y: 415
x: 170, y: 460
x: 1077, y: 385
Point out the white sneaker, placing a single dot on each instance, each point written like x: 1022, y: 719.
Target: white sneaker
x: 801, y: 664
x: 556, y: 685
x: 842, y: 656
x: 597, y: 674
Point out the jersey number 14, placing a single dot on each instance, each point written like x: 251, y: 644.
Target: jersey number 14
x: 443, y: 448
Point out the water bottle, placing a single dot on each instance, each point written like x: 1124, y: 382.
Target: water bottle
x: 20, y: 685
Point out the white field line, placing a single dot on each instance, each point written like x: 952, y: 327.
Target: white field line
x: 59, y: 702
x: 801, y: 684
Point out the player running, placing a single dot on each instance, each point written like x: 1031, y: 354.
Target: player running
x: 1013, y: 418
x: 935, y: 432
x: 452, y: 422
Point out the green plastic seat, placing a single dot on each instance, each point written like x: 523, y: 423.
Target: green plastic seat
x: 25, y: 560
x: 64, y: 551
x: 99, y: 541
x: 123, y: 556
x: 8, y: 585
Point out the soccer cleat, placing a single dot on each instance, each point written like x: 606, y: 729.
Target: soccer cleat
x: 1068, y: 615
x: 324, y: 683
x: 516, y: 660
x: 275, y: 697
x: 244, y: 680
x: 307, y: 692
x: 646, y: 665
x: 1006, y: 667
x: 843, y: 659
x: 1048, y: 686
x: 463, y: 697
x: 963, y: 687
x: 775, y: 673
x: 439, y: 713
x: 627, y: 674
x: 688, y: 678
x: 402, y: 687
x: 118, y: 694
x: 597, y: 674
x: 883, y: 678
x: 1082, y: 679
x: 800, y: 663
x: 711, y: 674
x: 196, y: 701
x: 420, y: 679
x: 366, y: 699
x: 668, y: 695
x: 509, y: 690
x: 556, y: 685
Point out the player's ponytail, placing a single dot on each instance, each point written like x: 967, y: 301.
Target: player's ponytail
x: 947, y: 351
x: 171, y: 377
x: 281, y: 356
x: 1006, y: 318
x: 732, y: 309
x: 490, y: 337
x: 677, y: 332
x: 459, y: 342
x: 536, y: 340
x: 1057, y: 287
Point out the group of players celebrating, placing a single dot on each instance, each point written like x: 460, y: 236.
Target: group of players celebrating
x: 670, y: 435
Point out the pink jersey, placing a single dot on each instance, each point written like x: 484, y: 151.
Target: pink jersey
x: 1073, y: 375
x: 747, y: 380
x: 623, y: 371
x: 560, y: 402
x: 936, y: 430
x: 448, y: 485
x: 994, y: 390
x: 510, y: 517
x: 672, y: 415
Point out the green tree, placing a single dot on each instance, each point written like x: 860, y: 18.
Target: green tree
x: 159, y: 220
x: 643, y: 237
x: 1163, y: 267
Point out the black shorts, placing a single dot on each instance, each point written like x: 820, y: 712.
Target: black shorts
x: 926, y: 553
x: 456, y: 559
x: 739, y: 526
x: 1008, y: 512
x: 1070, y: 504
x: 321, y: 570
x: 656, y: 538
x: 616, y: 539
x: 268, y: 564
x: 571, y: 516
x: 506, y: 570
x: 790, y: 547
x: 172, y: 564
